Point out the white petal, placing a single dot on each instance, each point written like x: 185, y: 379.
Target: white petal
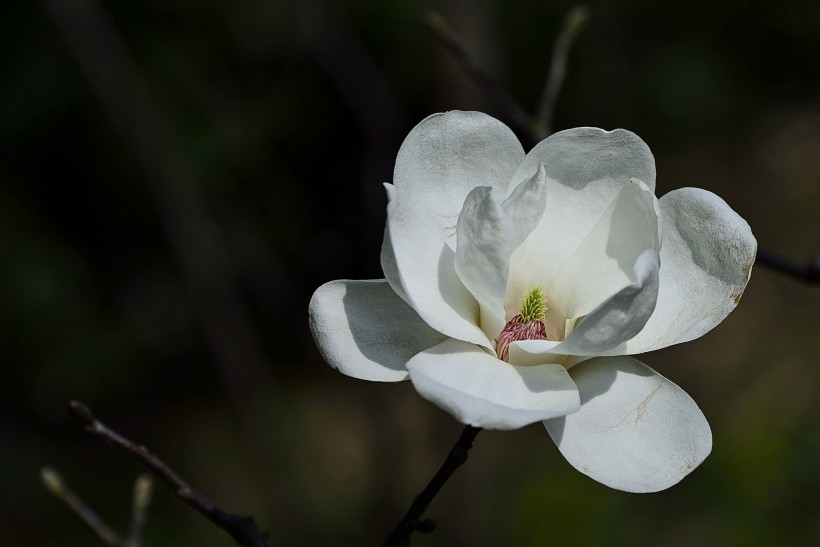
x: 483, y: 391
x: 586, y: 168
x: 635, y: 431
x: 526, y: 353
x: 364, y: 330
x: 604, y: 261
x: 420, y: 268
x: 388, y: 257
x: 483, y: 254
x: 706, y: 260
x: 488, y: 233
x: 525, y: 205
x: 447, y: 155
x: 620, y: 317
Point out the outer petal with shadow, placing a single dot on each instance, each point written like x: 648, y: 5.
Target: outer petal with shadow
x: 706, y: 260
x: 635, y: 431
x: 480, y: 390
x: 447, y: 155
x: 421, y: 270
x: 364, y: 330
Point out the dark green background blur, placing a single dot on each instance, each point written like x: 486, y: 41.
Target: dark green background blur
x: 160, y: 238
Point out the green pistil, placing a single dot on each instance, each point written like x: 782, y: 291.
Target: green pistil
x: 534, y: 306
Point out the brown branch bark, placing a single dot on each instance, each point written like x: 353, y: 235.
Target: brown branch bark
x: 242, y: 529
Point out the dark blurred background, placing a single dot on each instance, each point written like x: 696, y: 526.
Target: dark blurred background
x: 178, y: 176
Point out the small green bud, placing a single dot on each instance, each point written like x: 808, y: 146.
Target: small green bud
x: 143, y: 490
x: 52, y: 481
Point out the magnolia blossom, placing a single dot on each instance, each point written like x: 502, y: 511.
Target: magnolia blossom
x: 517, y: 285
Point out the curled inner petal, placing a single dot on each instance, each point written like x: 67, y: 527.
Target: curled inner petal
x: 516, y: 330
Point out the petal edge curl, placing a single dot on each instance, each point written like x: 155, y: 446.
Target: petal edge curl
x: 480, y: 390
x: 620, y: 317
x: 636, y: 431
x: 706, y: 261
x: 363, y: 329
x: 586, y: 168
x: 447, y: 155
x: 421, y: 270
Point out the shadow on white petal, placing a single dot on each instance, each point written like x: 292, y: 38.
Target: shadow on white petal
x: 388, y: 331
x: 635, y: 431
x: 455, y: 295
x: 593, y: 386
x: 421, y: 270
x: 480, y: 390
x: 621, y: 316
x: 706, y: 260
x: 364, y: 330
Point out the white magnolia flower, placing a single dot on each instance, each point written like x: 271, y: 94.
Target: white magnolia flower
x: 517, y: 285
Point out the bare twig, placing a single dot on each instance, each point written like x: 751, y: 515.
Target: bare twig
x: 450, y: 39
x: 808, y: 272
x: 242, y: 529
x: 54, y: 483
x: 400, y: 536
x: 537, y: 127
x: 143, y: 490
x: 573, y: 23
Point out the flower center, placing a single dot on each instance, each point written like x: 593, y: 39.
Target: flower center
x: 527, y: 325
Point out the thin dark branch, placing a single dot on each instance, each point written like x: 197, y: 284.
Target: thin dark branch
x: 450, y: 39
x: 55, y: 484
x: 808, y: 272
x: 143, y: 490
x: 573, y: 23
x: 400, y: 536
x: 537, y: 127
x: 242, y: 529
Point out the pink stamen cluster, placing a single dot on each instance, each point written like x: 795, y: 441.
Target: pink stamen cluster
x: 515, y: 330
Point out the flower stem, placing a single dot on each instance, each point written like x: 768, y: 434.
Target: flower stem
x: 400, y: 536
